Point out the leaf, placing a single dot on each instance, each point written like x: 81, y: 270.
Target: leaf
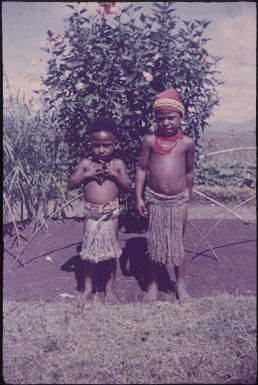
x: 8, y: 149
x: 50, y: 33
x: 13, y: 179
x: 206, y: 23
x: 142, y: 17
x: 136, y: 8
x: 45, y: 49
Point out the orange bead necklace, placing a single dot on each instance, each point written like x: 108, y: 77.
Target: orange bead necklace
x: 165, y: 144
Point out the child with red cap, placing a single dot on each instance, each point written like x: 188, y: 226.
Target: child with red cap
x: 167, y: 162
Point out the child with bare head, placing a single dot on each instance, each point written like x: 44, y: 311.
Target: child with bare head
x: 102, y: 177
x: 167, y: 161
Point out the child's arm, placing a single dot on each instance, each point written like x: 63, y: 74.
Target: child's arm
x: 83, y: 173
x: 141, y: 175
x: 119, y: 175
x: 190, y: 165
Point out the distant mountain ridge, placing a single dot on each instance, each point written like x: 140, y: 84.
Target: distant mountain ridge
x: 221, y: 125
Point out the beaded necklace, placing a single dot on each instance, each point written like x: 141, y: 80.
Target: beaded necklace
x: 165, y: 144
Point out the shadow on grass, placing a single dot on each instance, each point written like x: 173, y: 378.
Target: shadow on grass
x: 135, y: 262
x: 99, y: 272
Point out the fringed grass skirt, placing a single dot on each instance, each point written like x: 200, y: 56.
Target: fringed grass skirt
x: 165, y: 232
x: 99, y: 240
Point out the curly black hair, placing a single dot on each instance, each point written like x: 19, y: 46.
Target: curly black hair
x: 103, y: 123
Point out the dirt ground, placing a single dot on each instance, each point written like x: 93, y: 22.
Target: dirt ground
x: 52, y: 266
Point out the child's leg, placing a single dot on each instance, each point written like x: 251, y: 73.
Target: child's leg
x: 181, y: 291
x: 111, y: 297
x: 116, y: 226
x: 152, y: 294
x: 152, y: 272
x: 88, y: 269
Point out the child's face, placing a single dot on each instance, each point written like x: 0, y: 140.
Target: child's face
x: 103, y: 145
x: 168, y: 122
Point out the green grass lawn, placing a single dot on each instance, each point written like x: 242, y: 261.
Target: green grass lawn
x: 211, y: 340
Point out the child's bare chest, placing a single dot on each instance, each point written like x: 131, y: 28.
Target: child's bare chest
x: 168, y: 167
x: 102, y: 182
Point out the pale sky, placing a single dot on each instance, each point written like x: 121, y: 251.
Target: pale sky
x: 233, y: 34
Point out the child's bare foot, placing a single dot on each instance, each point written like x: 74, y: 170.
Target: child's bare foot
x: 152, y: 295
x: 182, y: 294
x: 97, y: 299
x: 87, y: 294
x: 169, y: 297
x: 111, y: 298
x: 80, y: 299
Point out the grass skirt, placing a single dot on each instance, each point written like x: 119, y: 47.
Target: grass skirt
x: 165, y: 232
x: 99, y: 240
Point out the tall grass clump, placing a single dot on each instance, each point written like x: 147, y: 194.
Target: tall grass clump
x: 35, y: 163
x: 211, y: 340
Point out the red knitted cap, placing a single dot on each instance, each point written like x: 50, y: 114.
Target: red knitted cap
x: 169, y: 99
